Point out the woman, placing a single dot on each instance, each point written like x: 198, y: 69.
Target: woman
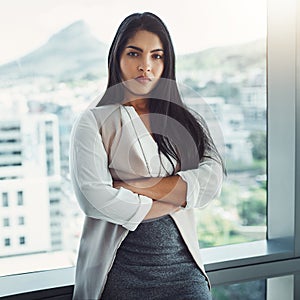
x: 140, y: 161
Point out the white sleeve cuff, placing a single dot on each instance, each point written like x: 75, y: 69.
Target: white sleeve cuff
x: 193, y: 188
x: 138, y: 217
x: 203, y: 184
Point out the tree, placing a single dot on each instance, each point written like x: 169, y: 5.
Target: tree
x: 258, y: 140
x: 252, y: 210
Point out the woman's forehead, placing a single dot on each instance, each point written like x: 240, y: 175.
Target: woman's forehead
x: 145, y: 39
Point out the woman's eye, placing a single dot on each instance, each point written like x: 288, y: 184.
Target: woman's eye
x: 132, y: 54
x: 157, y: 56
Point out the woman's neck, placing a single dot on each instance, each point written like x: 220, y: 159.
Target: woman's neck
x: 140, y: 105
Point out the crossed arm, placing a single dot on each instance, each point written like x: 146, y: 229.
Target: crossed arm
x: 168, y: 193
x: 127, y: 203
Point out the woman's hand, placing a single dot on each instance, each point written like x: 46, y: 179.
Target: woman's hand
x: 159, y: 208
x: 118, y: 183
x: 171, y: 189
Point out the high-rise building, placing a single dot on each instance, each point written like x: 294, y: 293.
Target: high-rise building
x: 30, y: 184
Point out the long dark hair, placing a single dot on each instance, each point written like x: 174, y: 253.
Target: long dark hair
x: 178, y: 132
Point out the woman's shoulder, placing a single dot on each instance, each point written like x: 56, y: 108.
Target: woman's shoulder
x: 97, y: 112
x: 106, y: 112
x: 104, y: 109
x: 97, y: 117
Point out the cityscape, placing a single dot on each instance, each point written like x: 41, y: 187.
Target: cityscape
x: 42, y: 94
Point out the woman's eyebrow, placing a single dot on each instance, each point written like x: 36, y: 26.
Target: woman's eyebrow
x: 155, y: 50
x: 141, y: 50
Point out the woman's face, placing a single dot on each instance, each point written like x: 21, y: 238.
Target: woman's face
x: 142, y: 63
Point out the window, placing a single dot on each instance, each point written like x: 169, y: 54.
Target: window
x: 253, y: 290
x: 5, y: 199
x: 20, y: 198
x: 234, y: 87
x: 269, y: 288
x: 7, y: 242
x: 243, y: 247
x: 22, y: 240
x: 52, y: 201
x: 21, y: 220
x: 6, y: 222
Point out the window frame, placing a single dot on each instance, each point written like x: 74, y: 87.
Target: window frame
x: 280, y: 254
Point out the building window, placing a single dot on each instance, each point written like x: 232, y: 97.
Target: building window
x: 22, y: 240
x: 21, y: 220
x: 7, y: 242
x: 6, y: 222
x: 241, y: 210
x: 239, y: 214
x: 5, y: 199
x: 232, y: 84
x: 20, y: 198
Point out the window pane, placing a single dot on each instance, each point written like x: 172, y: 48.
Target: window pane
x: 231, y: 82
x: 252, y: 290
x: 21, y: 220
x: 20, y: 198
x: 5, y: 199
x: 5, y: 222
x: 55, y: 71
x: 22, y: 240
x: 264, y: 289
x: 7, y: 242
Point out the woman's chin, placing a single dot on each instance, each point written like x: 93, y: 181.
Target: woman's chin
x: 139, y: 91
x: 137, y: 88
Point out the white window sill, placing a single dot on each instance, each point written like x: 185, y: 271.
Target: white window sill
x: 224, y: 264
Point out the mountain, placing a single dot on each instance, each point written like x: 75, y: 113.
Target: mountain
x: 73, y: 52
x: 228, y: 58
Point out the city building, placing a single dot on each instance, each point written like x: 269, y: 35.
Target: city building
x: 30, y: 184
x: 227, y: 126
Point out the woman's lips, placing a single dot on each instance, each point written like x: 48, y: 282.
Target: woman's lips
x: 143, y: 79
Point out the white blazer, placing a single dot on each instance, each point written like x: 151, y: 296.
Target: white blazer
x: 111, y: 142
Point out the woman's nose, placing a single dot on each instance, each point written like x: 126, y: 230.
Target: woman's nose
x: 144, y: 66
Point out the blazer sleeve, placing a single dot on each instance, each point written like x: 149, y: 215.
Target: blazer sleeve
x: 92, y: 181
x: 203, y: 184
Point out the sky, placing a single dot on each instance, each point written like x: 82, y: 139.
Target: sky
x: 194, y: 25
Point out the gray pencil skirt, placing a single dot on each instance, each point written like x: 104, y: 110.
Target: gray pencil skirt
x: 153, y: 262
